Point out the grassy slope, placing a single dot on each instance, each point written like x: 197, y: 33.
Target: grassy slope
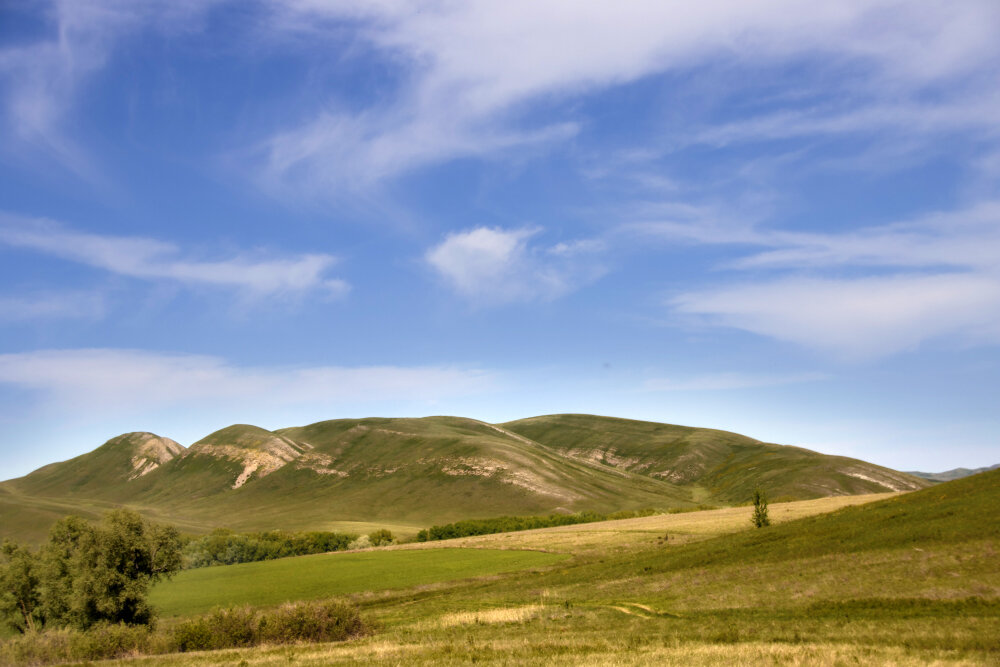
x: 726, y: 465
x: 410, y: 473
x: 907, y: 580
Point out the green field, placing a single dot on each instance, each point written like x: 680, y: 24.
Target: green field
x: 908, y: 579
x: 270, y: 583
x: 904, y: 579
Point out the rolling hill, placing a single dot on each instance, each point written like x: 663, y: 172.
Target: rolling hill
x: 953, y: 474
x: 409, y: 473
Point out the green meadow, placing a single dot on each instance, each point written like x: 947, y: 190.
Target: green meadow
x: 902, y: 579
x: 270, y: 583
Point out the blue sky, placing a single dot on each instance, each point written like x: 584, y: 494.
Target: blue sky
x: 777, y: 218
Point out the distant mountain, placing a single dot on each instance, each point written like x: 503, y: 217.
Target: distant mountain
x: 414, y: 472
x: 949, y: 475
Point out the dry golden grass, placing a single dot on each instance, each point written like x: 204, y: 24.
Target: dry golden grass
x: 513, y: 651
x: 490, y: 616
x: 628, y: 534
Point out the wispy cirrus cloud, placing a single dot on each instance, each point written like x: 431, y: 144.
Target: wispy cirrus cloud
x: 151, y: 259
x: 493, y: 265
x: 729, y: 381
x: 125, y: 380
x: 864, y: 293
x: 41, y: 80
x: 473, y: 67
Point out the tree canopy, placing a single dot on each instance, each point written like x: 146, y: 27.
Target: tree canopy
x: 87, y: 573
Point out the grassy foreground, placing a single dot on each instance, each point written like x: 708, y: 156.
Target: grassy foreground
x: 908, y: 579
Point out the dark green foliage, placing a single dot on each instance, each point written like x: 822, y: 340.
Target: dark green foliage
x: 19, y: 598
x: 88, y: 573
x: 760, y: 517
x: 381, y: 537
x: 508, y: 524
x: 224, y: 547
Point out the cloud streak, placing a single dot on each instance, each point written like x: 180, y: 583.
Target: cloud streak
x: 472, y: 68
x: 151, y: 259
x: 858, y: 318
x: 124, y: 380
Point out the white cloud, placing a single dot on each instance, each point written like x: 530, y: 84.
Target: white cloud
x: 496, y: 266
x: 474, y: 65
x: 728, y: 381
x: 151, y: 259
x: 126, y: 380
x: 467, y: 70
x: 908, y: 282
x: 857, y: 318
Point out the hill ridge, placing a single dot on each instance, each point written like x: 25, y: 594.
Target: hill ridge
x: 421, y: 471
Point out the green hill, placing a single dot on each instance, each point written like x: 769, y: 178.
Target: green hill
x: 409, y: 473
x: 725, y: 466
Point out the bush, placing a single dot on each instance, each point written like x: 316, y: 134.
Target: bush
x: 325, y: 621
x: 363, y: 542
x: 760, y: 517
x: 102, y: 641
x: 381, y: 537
x: 194, y: 635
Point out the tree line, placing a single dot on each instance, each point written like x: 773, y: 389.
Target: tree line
x: 506, y: 524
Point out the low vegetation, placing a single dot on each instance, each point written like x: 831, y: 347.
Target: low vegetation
x: 321, y: 621
x: 510, y: 524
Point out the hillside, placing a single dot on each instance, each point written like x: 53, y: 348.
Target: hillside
x: 724, y: 466
x: 949, y: 475
x: 409, y: 473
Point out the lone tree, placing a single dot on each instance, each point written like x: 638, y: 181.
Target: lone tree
x: 760, y: 518
x: 87, y: 573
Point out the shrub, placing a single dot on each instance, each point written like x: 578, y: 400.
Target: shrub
x: 381, y: 537
x: 362, y: 542
x: 101, y: 642
x: 194, y: 635
x: 324, y: 621
x: 760, y: 518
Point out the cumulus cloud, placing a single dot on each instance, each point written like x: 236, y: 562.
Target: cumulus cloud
x: 494, y: 265
x: 152, y: 259
x: 131, y: 379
